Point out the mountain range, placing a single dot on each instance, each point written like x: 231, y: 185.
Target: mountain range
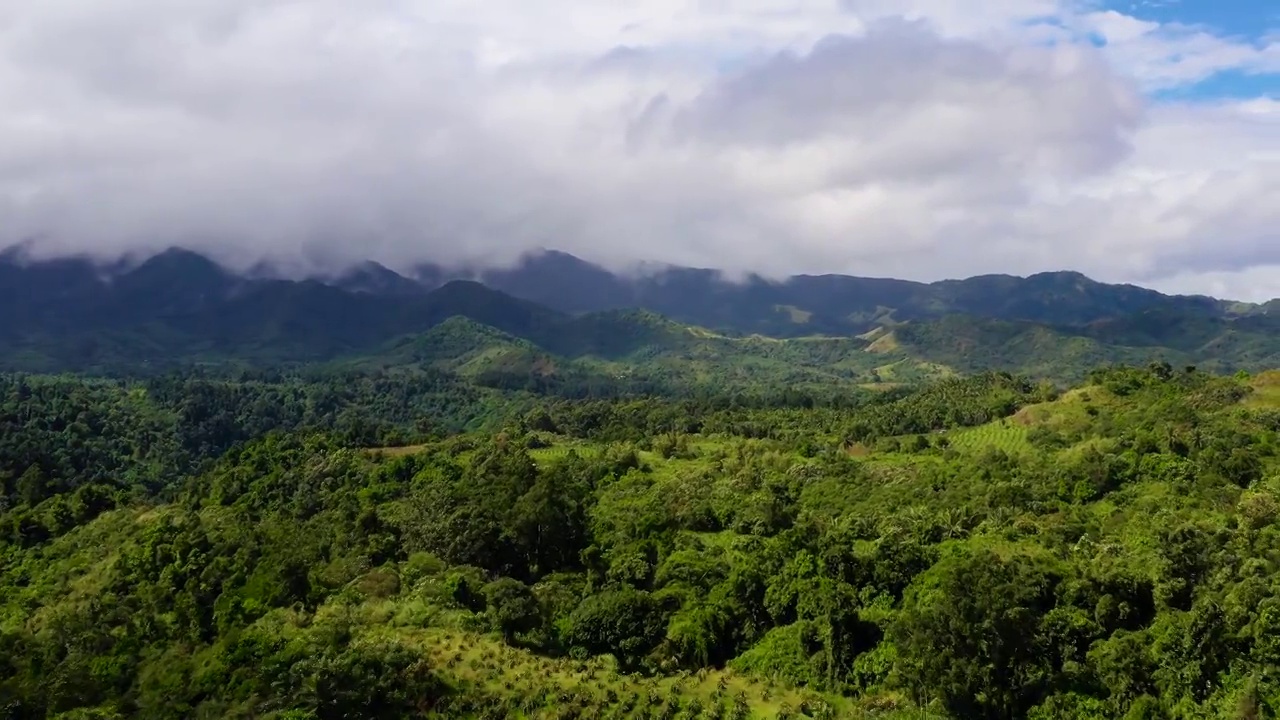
x: 556, y: 319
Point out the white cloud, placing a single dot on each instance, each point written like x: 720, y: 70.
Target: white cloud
x: 1164, y: 56
x: 867, y: 136
x: 1259, y: 283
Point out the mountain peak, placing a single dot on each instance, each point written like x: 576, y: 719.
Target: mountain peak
x: 558, y: 281
x: 563, y: 281
x: 1061, y: 277
x: 468, y: 295
x: 178, y: 263
x: 375, y: 278
x: 173, y: 281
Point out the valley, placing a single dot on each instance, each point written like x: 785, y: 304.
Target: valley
x: 659, y: 360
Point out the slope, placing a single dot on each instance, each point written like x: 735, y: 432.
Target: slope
x: 152, y: 320
x: 840, y: 304
x: 638, y: 352
x: 1113, y: 555
x: 178, y: 309
x: 1066, y: 353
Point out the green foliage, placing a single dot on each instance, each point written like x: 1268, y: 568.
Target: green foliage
x: 681, y: 331
x: 973, y: 634
x: 961, y: 402
x: 512, y: 606
x: 624, y: 621
x: 785, y: 652
x: 367, y: 681
x: 1110, y: 552
x: 1010, y: 437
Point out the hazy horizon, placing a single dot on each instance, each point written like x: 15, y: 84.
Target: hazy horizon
x: 1132, y: 142
x: 300, y: 270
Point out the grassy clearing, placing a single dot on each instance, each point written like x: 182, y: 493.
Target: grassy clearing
x: 1073, y: 411
x: 1266, y: 390
x: 547, y: 687
x: 699, y: 448
x: 885, y: 343
x: 398, y: 451
x: 537, y: 686
x: 796, y: 314
x: 560, y: 452
x: 858, y: 450
x: 1006, y: 435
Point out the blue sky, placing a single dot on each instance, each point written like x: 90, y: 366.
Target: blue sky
x: 1247, y: 18
x: 1252, y: 22
x: 1227, y: 84
x: 905, y: 138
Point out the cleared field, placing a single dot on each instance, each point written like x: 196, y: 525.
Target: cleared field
x: 528, y: 685
x: 553, y: 687
x: 560, y: 452
x: 1266, y: 390
x: 398, y: 451
x: 1005, y: 435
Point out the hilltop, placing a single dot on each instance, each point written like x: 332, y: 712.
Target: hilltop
x: 559, y: 324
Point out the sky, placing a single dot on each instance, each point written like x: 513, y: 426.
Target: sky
x: 1134, y: 141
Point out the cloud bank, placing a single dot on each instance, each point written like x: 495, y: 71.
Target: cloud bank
x: 914, y: 139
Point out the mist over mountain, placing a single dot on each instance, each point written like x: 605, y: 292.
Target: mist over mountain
x: 771, y: 359
x: 179, y: 279
x: 770, y: 137
x: 178, y: 308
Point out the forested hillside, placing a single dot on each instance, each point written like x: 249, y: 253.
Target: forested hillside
x: 836, y: 304
x: 403, y: 545
x: 558, y: 325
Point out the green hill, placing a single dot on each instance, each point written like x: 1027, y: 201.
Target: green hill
x: 836, y: 304
x: 969, y: 344
x: 666, y: 333
x: 667, y: 496
x: 980, y: 547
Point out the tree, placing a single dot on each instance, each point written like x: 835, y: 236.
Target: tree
x: 369, y: 681
x: 969, y: 634
x: 550, y: 522
x: 511, y: 606
x: 32, y: 486
x: 626, y: 622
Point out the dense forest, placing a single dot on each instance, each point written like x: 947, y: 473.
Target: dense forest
x: 360, y: 543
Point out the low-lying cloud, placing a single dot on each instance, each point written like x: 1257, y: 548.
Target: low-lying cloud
x: 774, y: 136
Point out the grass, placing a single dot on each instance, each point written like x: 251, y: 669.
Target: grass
x: 701, y: 447
x: 1266, y: 390
x: 546, y: 685
x: 1006, y: 435
x: 858, y: 450
x: 1069, y: 412
x: 559, y: 452
x: 885, y: 343
x: 797, y: 315
x: 398, y: 451
x: 481, y: 664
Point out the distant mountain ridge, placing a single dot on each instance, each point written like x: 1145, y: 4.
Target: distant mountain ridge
x: 556, y: 316
x: 799, y: 305
x: 835, y: 304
